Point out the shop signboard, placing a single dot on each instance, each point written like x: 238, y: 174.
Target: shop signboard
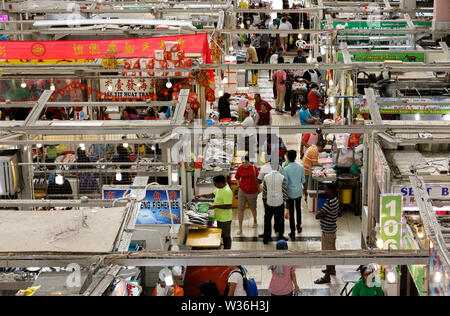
x: 126, y: 87
x: 155, y: 207
x: 435, y: 191
x: 98, y: 49
x: 3, y: 18
x: 360, y: 106
x: 391, y: 216
x: 414, y: 109
x: 375, y: 25
x: 439, y: 278
x: 47, y: 61
x: 379, y: 57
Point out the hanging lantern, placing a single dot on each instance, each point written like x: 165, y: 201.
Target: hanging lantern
x: 192, y: 97
x: 210, y: 95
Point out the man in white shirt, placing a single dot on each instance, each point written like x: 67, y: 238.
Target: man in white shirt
x: 284, y: 38
x: 236, y: 283
x: 273, y: 27
x: 274, y: 195
x: 250, y: 133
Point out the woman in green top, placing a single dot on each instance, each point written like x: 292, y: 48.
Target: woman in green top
x: 367, y: 286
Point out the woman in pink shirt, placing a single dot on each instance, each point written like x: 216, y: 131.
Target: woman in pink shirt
x: 280, y: 78
x: 284, y: 280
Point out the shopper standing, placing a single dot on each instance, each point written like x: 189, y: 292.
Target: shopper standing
x: 252, y: 58
x: 290, y: 79
x: 122, y: 156
x: 275, y: 149
x: 224, y: 107
x: 284, y: 280
x: 264, y: 46
x: 259, y: 101
x: 223, y: 212
x: 300, y: 59
x: 236, y: 283
x: 250, y: 133
x: 295, y: 178
x: 280, y: 78
x: 284, y: 37
x: 273, y: 27
x: 328, y: 217
x: 275, y: 194
x: 263, y: 117
x: 271, y: 57
x: 246, y: 177
x: 311, y: 159
x: 87, y: 183
x: 314, y: 99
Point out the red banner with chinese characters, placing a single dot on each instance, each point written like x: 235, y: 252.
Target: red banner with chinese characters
x: 124, y: 48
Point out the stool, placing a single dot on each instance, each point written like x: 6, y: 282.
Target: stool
x: 350, y: 277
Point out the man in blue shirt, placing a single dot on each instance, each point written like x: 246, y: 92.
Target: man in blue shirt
x: 306, y: 118
x: 294, y: 174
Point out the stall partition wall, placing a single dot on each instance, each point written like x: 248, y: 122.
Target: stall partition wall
x: 378, y: 183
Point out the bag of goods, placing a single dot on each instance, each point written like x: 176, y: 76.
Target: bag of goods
x: 160, y: 65
x: 146, y: 64
x: 172, y: 47
x: 176, y: 56
x: 172, y: 65
x: 131, y: 64
x: 160, y: 55
x: 185, y: 63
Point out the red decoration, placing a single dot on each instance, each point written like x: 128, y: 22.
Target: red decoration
x: 210, y: 95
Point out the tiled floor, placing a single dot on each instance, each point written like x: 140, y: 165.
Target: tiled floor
x: 349, y: 225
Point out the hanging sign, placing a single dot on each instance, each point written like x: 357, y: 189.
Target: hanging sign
x: 46, y: 61
x: 435, y: 191
x: 414, y: 109
x: 124, y: 48
x: 379, y: 57
x: 155, y: 207
x: 126, y: 87
x: 391, y: 216
x: 375, y: 25
x: 3, y: 18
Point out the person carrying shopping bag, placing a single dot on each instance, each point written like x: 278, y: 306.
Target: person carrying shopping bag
x: 249, y: 189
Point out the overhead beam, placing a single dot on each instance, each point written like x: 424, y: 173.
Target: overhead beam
x: 428, y: 216
x: 223, y: 258
x: 39, y: 108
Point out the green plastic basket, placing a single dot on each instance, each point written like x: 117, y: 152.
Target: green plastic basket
x: 203, y: 207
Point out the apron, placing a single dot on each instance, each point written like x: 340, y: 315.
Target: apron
x: 314, y: 77
x: 312, y: 141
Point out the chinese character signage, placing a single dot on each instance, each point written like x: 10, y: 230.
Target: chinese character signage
x: 155, y: 208
x: 391, y: 216
x: 124, y: 48
x: 126, y: 87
